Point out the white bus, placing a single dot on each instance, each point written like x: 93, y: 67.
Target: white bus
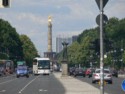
x: 41, y: 66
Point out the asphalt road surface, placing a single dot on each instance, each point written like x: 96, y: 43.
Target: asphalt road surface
x: 48, y: 84
x: 41, y: 84
x: 114, y: 88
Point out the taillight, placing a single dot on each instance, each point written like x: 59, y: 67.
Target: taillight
x: 95, y: 75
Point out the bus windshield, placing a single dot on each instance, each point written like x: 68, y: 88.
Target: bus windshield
x: 43, y: 64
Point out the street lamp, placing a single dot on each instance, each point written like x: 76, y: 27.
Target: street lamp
x: 122, y: 50
x: 114, y: 58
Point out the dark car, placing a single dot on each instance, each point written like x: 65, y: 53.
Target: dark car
x: 79, y: 72
x: 1, y: 71
x: 71, y: 70
x: 114, y: 73
x: 22, y: 71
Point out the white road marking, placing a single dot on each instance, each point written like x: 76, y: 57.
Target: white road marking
x: 40, y: 90
x: 27, y: 84
x: 8, y: 81
x: 3, y: 91
x: 43, y: 90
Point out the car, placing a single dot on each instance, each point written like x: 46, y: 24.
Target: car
x: 1, y: 71
x: 22, y: 71
x: 79, y: 72
x: 30, y: 70
x: 107, y: 76
x: 71, y: 70
x: 89, y: 72
x: 114, y: 73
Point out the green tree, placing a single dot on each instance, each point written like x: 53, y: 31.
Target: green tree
x: 80, y: 51
x: 10, y: 43
x: 29, y: 49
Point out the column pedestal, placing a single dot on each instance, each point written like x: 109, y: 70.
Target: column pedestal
x: 64, y: 68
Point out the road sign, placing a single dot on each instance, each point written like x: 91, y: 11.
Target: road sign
x: 104, y: 3
x: 105, y: 19
x: 123, y: 85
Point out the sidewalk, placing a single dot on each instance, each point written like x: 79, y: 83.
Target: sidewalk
x: 74, y: 86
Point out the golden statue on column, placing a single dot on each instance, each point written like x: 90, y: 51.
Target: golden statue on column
x: 49, y: 34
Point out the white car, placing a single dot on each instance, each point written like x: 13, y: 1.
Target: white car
x: 107, y: 76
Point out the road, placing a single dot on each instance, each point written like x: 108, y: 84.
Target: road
x: 114, y: 88
x: 48, y: 84
x: 42, y: 84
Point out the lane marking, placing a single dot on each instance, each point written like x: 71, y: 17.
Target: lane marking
x: 3, y: 91
x: 27, y: 84
x: 43, y: 90
x: 7, y: 81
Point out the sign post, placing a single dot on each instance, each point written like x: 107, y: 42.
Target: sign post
x: 101, y: 4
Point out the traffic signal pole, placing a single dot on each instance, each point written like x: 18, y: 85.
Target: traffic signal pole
x: 5, y: 3
x: 101, y: 49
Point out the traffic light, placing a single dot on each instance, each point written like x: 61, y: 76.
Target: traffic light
x: 4, y: 3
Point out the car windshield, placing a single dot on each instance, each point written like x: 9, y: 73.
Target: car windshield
x: 22, y: 68
x: 97, y: 71
x: 105, y: 71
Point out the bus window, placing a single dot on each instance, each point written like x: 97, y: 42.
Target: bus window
x: 44, y: 64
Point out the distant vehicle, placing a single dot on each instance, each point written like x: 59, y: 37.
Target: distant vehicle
x: 89, y: 72
x: 107, y: 76
x: 71, y: 70
x: 21, y: 63
x: 79, y: 72
x: 30, y: 70
x: 41, y: 66
x: 22, y: 71
x: 114, y: 73
x: 6, y: 67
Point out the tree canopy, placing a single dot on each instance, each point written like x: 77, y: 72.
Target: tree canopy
x: 86, y: 49
x: 14, y: 46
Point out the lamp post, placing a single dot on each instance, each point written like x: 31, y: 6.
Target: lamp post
x: 65, y: 59
x: 121, y: 58
x: 115, y: 60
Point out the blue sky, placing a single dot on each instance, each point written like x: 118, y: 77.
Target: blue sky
x: 69, y: 17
